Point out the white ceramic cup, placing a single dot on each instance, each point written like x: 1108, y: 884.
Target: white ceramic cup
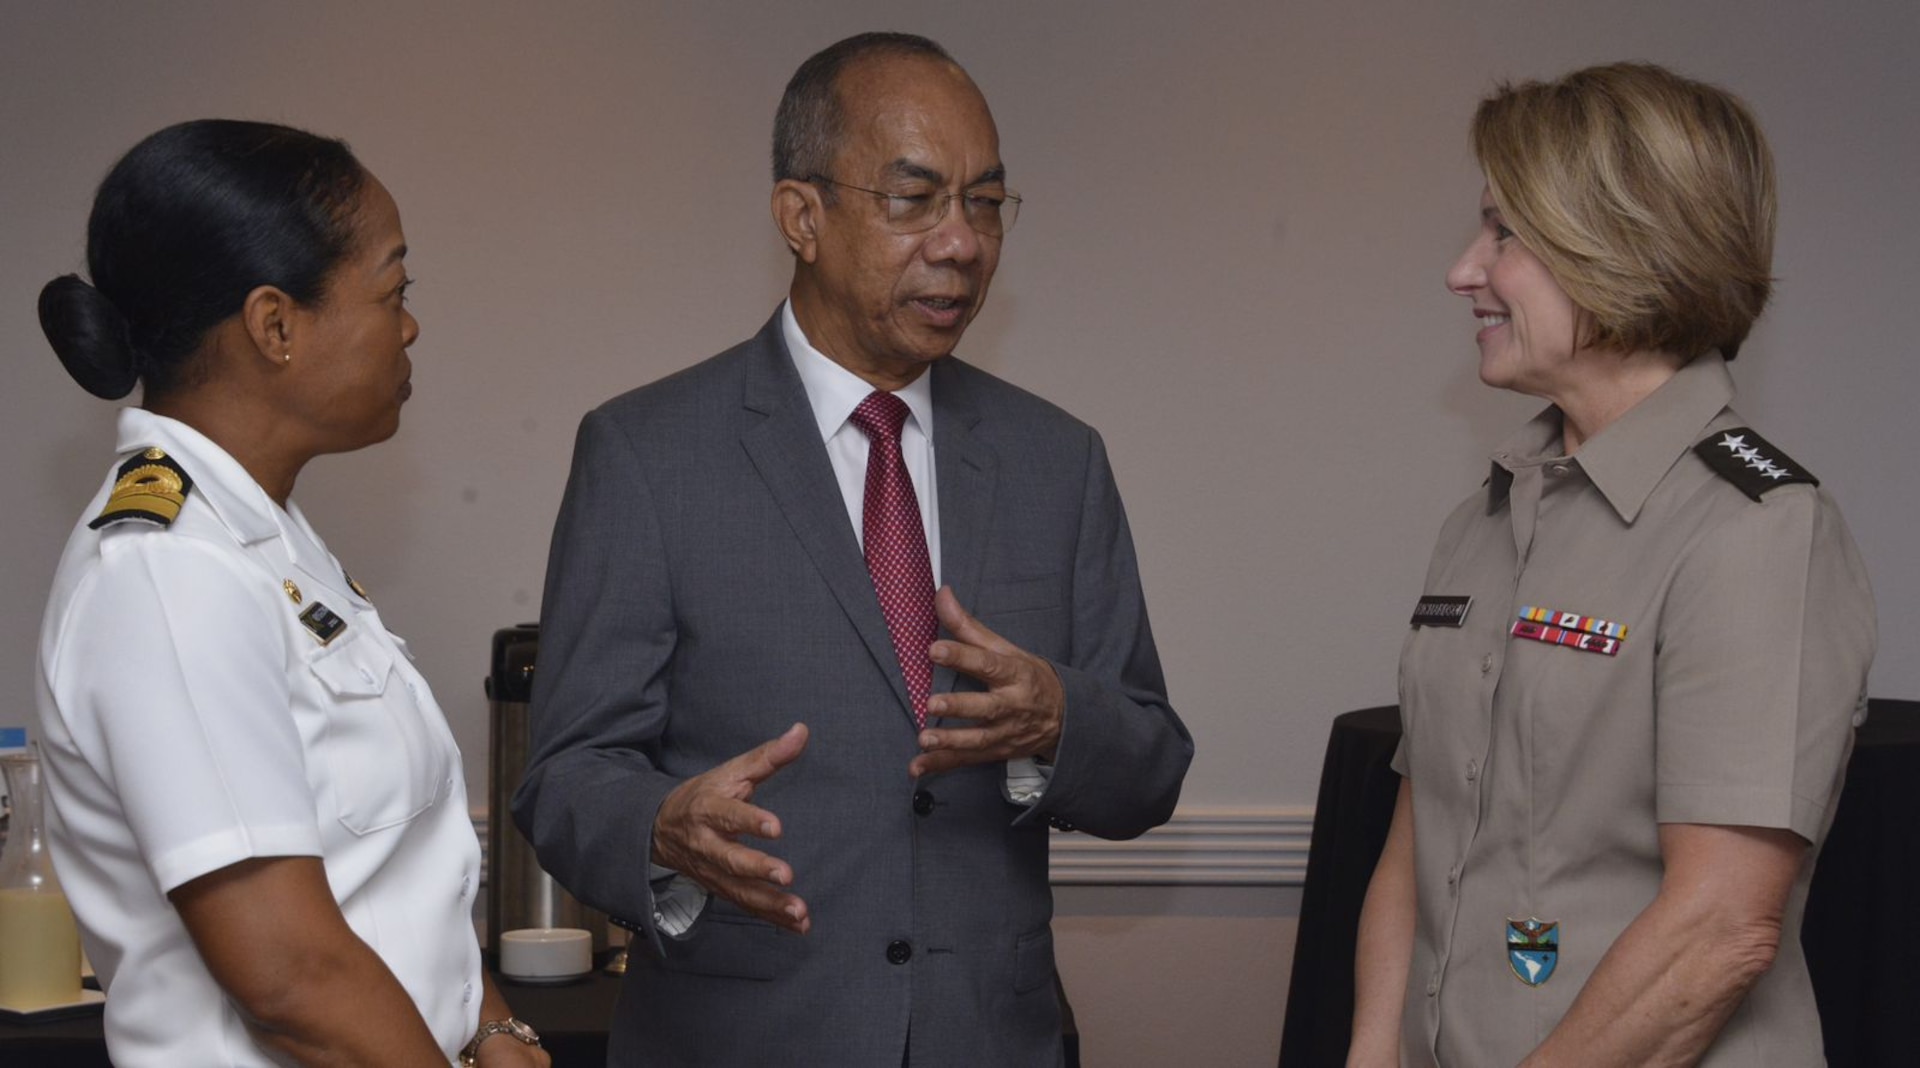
x: 546, y: 953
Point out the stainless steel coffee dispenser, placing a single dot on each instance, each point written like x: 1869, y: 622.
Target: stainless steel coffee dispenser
x: 519, y: 893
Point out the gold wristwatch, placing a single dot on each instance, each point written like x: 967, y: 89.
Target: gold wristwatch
x: 511, y: 1027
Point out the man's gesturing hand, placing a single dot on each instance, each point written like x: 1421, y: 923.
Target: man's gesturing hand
x: 1018, y: 715
x: 697, y: 829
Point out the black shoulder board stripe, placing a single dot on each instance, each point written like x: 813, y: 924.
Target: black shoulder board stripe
x: 1747, y: 460
x: 151, y: 488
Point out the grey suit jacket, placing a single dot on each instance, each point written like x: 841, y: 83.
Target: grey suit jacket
x: 705, y: 590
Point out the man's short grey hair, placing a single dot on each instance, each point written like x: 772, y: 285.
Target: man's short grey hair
x: 810, y: 123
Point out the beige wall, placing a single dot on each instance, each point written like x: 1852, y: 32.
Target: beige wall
x: 1191, y: 976
x: 1238, y: 215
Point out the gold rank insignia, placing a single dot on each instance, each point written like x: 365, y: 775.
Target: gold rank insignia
x: 293, y: 591
x: 151, y: 488
x: 354, y: 585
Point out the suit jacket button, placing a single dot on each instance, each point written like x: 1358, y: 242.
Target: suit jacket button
x: 923, y: 802
x: 899, y: 952
x: 1059, y: 824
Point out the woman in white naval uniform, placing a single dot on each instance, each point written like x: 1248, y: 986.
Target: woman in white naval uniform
x: 257, y: 809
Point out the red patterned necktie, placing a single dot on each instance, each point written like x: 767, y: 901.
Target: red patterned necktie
x: 896, y: 546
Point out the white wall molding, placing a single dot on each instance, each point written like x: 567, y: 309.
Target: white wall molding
x: 1250, y: 846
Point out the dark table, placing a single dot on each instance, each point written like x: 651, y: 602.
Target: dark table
x: 571, y: 1019
x: 1861, y: 941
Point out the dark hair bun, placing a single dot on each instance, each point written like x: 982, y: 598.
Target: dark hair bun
x: 190, y: 221
x: 90, y: 336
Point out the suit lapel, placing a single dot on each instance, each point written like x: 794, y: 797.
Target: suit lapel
x: 786, y: 450
x: 966, y: 470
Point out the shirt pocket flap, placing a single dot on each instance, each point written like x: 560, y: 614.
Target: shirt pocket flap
x: 401, y: 644
x: 354, y: 669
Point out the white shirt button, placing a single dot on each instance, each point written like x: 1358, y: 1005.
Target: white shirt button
x: 466, y: 995
x: 466, y: 887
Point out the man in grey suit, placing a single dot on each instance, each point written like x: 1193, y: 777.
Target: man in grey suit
x: 828, y: 829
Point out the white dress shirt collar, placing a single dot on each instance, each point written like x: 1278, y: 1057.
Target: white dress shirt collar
x: 835, y: 391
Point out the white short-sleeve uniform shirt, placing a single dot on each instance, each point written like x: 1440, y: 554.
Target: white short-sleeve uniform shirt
x: 190, y: 719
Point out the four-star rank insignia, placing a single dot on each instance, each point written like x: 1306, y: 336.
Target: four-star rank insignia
x: 151, y: 488
x: 1750, y: 462
x: 1533, y: 949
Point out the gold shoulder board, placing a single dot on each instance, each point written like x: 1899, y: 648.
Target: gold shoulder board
x: 151, y: 488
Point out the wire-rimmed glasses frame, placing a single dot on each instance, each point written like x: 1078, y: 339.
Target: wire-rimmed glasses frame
x: 988, y: 215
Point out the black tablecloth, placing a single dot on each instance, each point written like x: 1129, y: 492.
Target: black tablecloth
x: 1861, y: 941
x: 571, y: 1019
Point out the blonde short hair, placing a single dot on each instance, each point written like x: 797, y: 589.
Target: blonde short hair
x: 1648, y: 196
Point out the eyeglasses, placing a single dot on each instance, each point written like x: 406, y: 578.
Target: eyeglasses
x: 990, y: 214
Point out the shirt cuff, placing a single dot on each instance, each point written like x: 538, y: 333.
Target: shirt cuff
x: 677, y: 904
x: 1027, y: 780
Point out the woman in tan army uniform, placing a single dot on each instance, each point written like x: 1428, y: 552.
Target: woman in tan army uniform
x: 1634, y: 671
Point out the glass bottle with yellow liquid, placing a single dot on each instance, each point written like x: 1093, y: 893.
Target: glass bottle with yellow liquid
x: 39, y: 942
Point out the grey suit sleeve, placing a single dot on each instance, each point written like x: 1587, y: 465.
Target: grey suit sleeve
x: 599, y: 698
x: 1123, y: 751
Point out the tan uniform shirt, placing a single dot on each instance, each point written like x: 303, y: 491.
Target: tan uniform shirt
x: 1541, y: 771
